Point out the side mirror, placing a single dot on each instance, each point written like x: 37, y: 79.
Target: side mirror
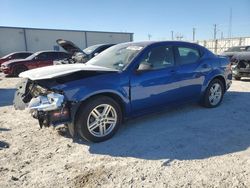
x: 144, y: 67
x: 95, y: 54
x: 36, y: 58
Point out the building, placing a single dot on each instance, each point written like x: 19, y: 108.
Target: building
x: 35, y: 39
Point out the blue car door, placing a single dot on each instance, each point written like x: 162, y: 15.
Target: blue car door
x: 189, y: 72
x: 153, y: 84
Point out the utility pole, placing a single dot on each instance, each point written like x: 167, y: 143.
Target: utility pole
x: 230, y: 24
x: 194, y: 34
x: 221, y: 36
x: 149, y: 36
x: 172, y: 35
x: 215, y: 31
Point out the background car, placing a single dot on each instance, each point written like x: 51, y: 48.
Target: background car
x: 78, y: 55
x: 241, y: 65
x: 230, y: 52
x: 38, y: 59
x: 15, y: 55
x: 124, y: 81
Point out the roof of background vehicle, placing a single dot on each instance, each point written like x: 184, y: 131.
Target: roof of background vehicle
x: 16, y: 53
x: 38, y: 52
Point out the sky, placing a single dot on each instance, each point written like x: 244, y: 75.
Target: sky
x: 156, y: 18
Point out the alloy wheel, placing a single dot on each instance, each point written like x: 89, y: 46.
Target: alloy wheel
x: 215, y: 94
x: 102, y: 120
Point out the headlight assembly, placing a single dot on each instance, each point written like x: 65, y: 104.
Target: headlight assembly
x: 52, y: 101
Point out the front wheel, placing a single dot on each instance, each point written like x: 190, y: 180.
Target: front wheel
x: 214, y: 94
x: 98, y: 119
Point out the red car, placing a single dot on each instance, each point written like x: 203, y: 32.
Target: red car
x: 15, y: 55
x: 38, y: 59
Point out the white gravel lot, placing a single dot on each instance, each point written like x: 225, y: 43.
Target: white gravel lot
x: 189, y: 146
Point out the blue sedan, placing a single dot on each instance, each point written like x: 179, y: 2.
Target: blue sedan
x: 125, y: 81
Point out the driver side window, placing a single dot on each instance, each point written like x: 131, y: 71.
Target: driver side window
x: 159, y: 57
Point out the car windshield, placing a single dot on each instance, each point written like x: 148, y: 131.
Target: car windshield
x: 32, y: 56
x: 90, y: 49
x: 117, y: 57
x: 237, y: 49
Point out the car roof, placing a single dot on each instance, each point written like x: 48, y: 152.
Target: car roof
x: 22, y: 52
x: 38, y: 52
x: 147, y: 43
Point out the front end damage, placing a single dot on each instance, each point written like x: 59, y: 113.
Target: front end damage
x: 241, y: 65
x: 48, y: 106
x: 52, y: 93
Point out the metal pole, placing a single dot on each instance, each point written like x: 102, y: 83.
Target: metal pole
x: 215, y: 31
x: 193, y: 34
x: 149, y: 36
x: 172, y: 35
x: 25, y: 39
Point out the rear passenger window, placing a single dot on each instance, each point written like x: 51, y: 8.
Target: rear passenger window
x: 187, y: 55
x: 23, y: 55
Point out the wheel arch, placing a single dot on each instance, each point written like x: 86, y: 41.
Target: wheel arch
x: 116, y: 97
x: 219, y: 77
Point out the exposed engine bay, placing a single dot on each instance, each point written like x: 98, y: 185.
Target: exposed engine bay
x: 78, y: 57
x: 48, y: 106
x: 241, y: 65
x: 39, y: 93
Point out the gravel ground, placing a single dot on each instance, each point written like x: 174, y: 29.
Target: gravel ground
x: 189, y: 146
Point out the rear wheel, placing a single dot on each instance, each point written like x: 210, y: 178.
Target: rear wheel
x: 98, y: 119
x: 214, y: 94
x: 18, y: 70
x: 237, y: 77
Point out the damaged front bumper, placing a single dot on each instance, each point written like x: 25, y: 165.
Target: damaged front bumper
x: 241, y: 69
x: 49, y: 107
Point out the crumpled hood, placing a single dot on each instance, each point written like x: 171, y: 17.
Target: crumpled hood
x: 6, y: 63
x: 61, y: 70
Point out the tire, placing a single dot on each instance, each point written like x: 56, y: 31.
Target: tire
x: 18, y: 70
x: 237, y: 77
x: 93, y: 124
x: 211, y: 97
